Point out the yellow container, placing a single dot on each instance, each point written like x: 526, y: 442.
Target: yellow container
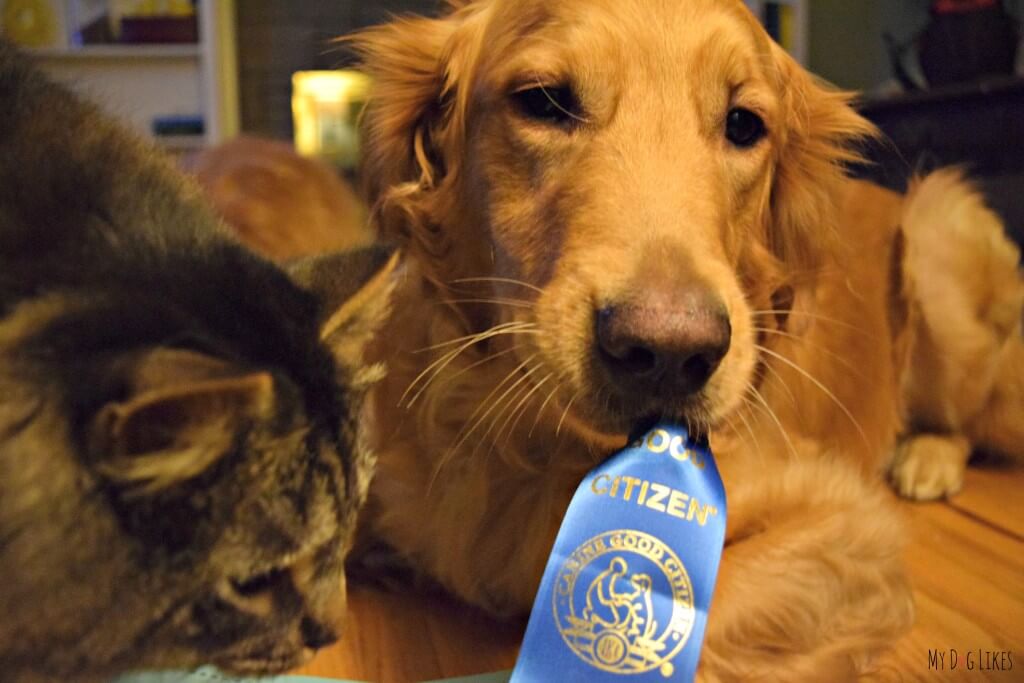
x: 326, y: 106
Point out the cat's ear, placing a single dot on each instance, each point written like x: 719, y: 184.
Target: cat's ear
x: 183, y: 414
x: 355, y: 290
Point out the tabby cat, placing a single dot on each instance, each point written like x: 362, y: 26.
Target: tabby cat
x: 180, y: 465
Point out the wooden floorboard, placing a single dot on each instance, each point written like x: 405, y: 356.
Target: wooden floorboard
x: 965, y: 560
x: 968, y: 577
x: 994, y: 495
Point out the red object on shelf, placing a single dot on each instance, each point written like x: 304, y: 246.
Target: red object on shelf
x: 159, y: 30
x: 961, y: 6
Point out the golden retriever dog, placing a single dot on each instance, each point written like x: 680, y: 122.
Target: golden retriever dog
x: 965, y: 384
x: 278, y: 203
x: 619, y: 209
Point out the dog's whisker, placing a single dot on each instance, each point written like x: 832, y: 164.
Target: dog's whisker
x: 782, y: 382
x: 504, y: 411
x: 516, y: 303
x: 705, y: 425
x: 726, y: 424
x: 504, y: 280
x: 477, y: 336
x: 603, y: 389
x: 540, y: 411
x: 486, y: 403
x: 594, y: 454
x: 771, y: 413
x: 818, y: 347
x: 444, y: 361
x: 503, y: 403
x: 813, y: 316
x: 750, y: 430
x: 565, y: 413
x: 820, y: 385
x: 476, y: 419
x: 521, y: 409
x: 743, y: 414
x: 475, y: 364
x: 412, y: 385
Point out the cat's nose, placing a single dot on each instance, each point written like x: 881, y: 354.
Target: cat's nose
x: 667, y: 345
x: 325, y: 603
x: 316, y: 634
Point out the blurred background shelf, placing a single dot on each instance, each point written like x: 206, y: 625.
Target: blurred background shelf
x: 143, y: 82
x: 153, y: 51
x: 182, y: 143
x: 787, y: 22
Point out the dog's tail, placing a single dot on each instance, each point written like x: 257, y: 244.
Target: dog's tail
x: 969, y: 293
x: 959, y: 252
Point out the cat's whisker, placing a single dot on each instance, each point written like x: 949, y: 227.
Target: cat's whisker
x: 822, y: 387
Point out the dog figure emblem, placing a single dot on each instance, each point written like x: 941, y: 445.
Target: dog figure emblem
x: 621, y: 620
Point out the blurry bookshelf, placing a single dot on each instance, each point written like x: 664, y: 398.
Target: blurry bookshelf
x: 786, y: 22
x: 166, y: 67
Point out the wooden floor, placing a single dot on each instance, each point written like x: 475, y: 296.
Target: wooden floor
x: 966, y: 561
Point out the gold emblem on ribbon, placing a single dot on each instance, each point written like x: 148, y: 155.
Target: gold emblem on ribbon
x: 614, y: 622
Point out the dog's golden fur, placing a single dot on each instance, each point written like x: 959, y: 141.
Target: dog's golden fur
x: 517, y: 231
x: 279, y: 204
x: 965, y: 385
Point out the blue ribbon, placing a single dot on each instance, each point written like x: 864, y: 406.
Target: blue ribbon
x: 627, y: 589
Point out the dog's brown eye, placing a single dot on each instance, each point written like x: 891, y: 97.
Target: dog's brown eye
x: 556, y: 105
x: 744, y: 128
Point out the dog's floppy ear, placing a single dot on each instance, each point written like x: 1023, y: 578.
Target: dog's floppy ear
x: 820, y: 130
x: 414, y: 122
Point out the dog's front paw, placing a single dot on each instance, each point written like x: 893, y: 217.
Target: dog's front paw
x: 930, y: 466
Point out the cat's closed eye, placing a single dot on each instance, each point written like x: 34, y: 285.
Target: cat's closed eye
x: 256, y: 584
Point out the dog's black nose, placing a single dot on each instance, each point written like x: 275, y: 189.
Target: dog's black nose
x: 666, y: 346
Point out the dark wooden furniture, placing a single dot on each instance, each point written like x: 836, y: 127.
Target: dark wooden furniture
x: 979, y: 126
